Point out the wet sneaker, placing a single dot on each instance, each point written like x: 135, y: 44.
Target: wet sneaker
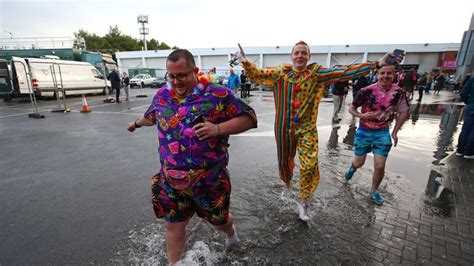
x: 286, y: 194
x: 376, y: 197
x: 468, y: 156
x: 231, y: 242
x: 303, y: 211
x: 350, y: 172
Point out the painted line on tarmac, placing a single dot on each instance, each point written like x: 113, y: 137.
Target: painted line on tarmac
x: 113, y: 113
x: 15, y: 115
x: 264, y: 114
x: 269, y: 133
x: 135, y: 108
x: 14, y: 108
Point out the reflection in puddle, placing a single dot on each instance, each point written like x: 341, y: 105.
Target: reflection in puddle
x: 439, y: 199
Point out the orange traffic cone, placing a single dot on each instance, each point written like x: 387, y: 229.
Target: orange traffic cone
x: 85, y: 107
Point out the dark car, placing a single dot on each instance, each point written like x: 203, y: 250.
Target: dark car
x: 158, y: 82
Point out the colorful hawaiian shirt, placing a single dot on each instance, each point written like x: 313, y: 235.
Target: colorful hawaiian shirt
x: 179, y: 147
x: 386, y: 102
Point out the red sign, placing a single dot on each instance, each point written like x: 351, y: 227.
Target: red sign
x: 449, y: 64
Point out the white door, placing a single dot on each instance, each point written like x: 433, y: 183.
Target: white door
x: 22, y: 74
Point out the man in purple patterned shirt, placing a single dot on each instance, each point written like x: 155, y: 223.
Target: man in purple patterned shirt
x: 194, y: 120
x: 381, y: 103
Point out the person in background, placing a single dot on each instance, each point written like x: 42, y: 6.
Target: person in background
x: 338, y: 91
x: 409, y: 82
x: 126, y: 85
x: 114, y: 78
x: 243, y: 84
x: 422, y: 82
x: 194, y: 119
x: 429, y: 82
x: 358, y: 84
x: 440, y: 82
x: 466, y: 137
x: 248, y: 85
x: 381, y: 102
x: 234, y: 81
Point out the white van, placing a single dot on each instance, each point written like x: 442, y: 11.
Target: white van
x: 44, y: 75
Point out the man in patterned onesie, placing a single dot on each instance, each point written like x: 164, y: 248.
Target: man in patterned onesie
x: 298, y: 89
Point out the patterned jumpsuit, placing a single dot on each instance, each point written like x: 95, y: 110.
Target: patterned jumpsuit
x: 297, y: 95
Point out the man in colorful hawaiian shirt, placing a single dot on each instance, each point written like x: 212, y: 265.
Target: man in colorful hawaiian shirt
x: 194, y: 120
x: 381, y: 103
x: 298, y: 89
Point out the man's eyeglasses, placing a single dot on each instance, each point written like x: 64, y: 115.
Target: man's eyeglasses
x: 179, y: 76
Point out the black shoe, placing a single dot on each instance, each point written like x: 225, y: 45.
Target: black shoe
x: 118, y: 101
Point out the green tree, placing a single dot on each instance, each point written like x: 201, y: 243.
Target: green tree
x: 115, y: 41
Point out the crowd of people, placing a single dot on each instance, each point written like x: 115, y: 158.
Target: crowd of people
x: 194, y: 118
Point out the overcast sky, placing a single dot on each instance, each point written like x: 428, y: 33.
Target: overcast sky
x: 221, y: 23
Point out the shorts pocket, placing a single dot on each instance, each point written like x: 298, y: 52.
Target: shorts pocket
x: 156, y: 190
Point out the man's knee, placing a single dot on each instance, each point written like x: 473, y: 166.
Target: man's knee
x: 379, y: 167
x: 358, y: 161
x: 379, y: 163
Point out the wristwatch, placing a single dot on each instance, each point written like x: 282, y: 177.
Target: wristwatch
x: 136, y: 125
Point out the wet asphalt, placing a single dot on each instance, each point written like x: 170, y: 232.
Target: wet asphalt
x: 74, y: 187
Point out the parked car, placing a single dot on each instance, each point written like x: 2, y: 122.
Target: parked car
x: 264, y: 87
x: 141, y: 80
x: 221, y: 80
x: 158, y: 82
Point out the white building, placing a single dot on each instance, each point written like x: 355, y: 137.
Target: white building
x: 426, y: 56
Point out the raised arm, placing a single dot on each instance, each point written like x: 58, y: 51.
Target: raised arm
x: 257, y: 74
x: 331, y: 75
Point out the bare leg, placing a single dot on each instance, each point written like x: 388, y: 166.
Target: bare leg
x: 379, y: 171
x: 127, y: 91
x: 358, y: 161
x: 227, y: 228
x: 231, y: 234
x: 175, y: 240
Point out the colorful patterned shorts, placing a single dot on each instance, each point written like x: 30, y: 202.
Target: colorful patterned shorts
x: 377, y: 141
x: 208, y: 196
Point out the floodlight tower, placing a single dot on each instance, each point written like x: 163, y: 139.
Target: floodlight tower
x: 144, y: 31
x: 11, y: 34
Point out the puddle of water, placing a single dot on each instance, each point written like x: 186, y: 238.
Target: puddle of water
x: 342, y: 216
x: 438, y: 199
x: 425, y: 139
